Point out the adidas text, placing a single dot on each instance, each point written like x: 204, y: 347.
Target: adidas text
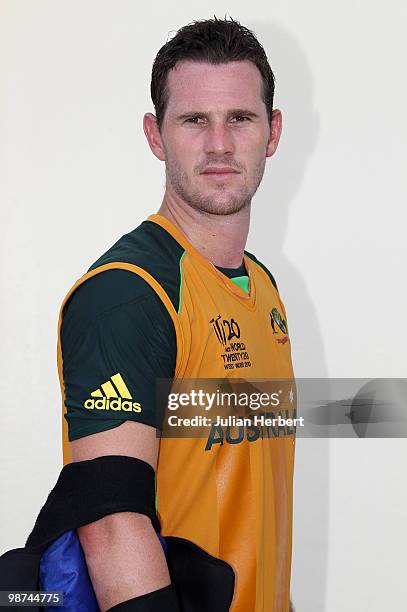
x: 104, y: 403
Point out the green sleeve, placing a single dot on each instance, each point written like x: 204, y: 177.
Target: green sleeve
x: 117, y: 339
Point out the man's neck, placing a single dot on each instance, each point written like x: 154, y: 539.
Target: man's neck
x: 221, y: 239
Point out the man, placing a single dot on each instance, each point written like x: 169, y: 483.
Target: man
x: 170, y: 300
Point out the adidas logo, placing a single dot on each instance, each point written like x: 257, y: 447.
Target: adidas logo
x: 113, y: 395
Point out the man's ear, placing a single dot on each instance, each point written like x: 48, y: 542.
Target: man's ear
x: 275, y: 132
x: 153, y: 136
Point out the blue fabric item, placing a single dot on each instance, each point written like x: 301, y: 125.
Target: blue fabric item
x: 63, y: 568
x: 163, y: 544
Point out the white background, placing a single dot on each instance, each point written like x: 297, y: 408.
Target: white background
x: 329, y: 220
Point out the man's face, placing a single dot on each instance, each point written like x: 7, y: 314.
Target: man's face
x: 215, y: 135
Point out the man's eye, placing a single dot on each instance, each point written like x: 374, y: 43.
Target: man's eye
x: 195, y: 120
x: 241, y: 118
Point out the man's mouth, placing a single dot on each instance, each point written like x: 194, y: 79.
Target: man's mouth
x: 219, y: 171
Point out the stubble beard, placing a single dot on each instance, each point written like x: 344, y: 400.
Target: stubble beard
x: 230, y: 204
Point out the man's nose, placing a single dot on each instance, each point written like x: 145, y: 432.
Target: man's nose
x: 218, y: 139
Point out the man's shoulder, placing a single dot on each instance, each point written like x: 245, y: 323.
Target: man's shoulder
x: 109, y: 290
x: 263, y: 267
x: 151, y: 248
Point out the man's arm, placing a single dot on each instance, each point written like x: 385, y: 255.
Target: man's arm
x: 124, y: 556
x: 117, y: 337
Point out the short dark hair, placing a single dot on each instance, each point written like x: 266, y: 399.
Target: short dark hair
x: 216, y: 41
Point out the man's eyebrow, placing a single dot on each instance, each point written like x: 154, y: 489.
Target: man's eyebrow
x: 233, y: 111
x: 243, y: 111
